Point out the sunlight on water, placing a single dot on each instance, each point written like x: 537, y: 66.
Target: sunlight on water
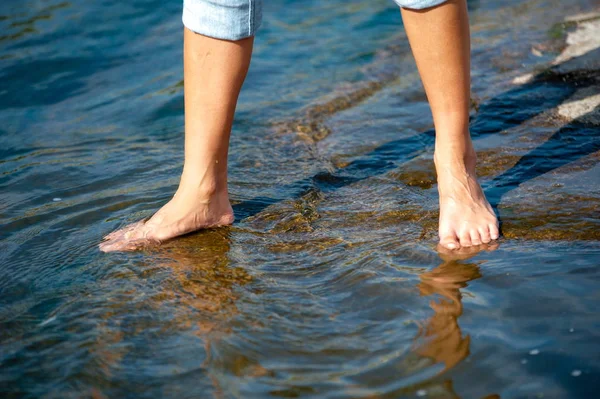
x: 328, y: 285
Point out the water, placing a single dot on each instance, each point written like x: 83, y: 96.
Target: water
x: 328, y: 285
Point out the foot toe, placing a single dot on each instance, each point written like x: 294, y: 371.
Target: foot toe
x: 109, y: 236
x: 465, y: 239
x: 484, y: 233
x: 449, y: 242
x: 108, y: 246
x: 120, y: 245
x: 124, y: 230
x: 494, y: 231
x: 475, y: 237
x: 126, y: 239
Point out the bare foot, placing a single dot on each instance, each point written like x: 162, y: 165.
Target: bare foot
x: 188, y: 211
x: 466, y: 217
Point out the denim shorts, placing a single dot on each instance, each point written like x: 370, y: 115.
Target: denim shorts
x: 238, y: 19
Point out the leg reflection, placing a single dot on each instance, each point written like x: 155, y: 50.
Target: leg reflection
x: 171, y: 309
x: 440, y: 339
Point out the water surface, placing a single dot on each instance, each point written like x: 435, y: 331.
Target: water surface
x: 328, y: 285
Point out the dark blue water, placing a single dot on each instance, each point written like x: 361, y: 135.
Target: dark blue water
x: 328, y: 285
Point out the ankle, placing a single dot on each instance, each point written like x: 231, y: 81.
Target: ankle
x: 455, y: 153
x: 202, y: 190
x: 453, y: 160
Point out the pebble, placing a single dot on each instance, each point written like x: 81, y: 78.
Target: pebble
x: 571, y: 329
x: 534, y: 352
x: 421, y: 392
x: 56, y: 199
x: 576, y: 373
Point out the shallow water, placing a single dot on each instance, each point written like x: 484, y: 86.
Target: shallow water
x: 328, y: 285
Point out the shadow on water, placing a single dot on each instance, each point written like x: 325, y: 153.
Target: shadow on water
x: 570, y: 143
x: 543, y: 93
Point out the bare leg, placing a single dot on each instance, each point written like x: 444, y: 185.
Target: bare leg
x: 439, y: 38
x: 214, y: 71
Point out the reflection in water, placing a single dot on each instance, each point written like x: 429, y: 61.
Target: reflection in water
x: 443, y: 340
x: 440, y: 338
x: 201, y: 273
x: 185, y: 291
x: 201, y: 289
